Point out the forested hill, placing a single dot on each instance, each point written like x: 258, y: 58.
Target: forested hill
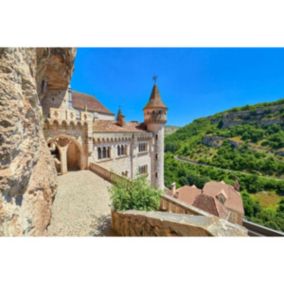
x: 244, y: 144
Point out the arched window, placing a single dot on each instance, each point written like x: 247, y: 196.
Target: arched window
x: 118, y: 150
x: 142, y: 170
x: 142, y: 147
x: 99, y: 153
x: 108, y: 152
x: 122, y: 149
x: 104, y: 152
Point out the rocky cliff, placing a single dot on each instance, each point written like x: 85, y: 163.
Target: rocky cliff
x: 27, y: 173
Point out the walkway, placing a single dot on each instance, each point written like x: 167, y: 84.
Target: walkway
x: 81, y: 206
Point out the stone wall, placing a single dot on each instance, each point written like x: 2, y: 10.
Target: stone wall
x: 163, y: 224
x: 27, y: 171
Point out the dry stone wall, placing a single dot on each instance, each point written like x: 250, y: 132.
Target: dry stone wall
x: 27, y: 172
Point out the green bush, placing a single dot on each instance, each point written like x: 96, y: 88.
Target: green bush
x: 136, y: 195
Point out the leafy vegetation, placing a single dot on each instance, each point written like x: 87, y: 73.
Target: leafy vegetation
x: 137, y: 195
x: 244, y: 144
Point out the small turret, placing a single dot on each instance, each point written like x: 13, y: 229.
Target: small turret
x: 155, y: 118
x: 120, y: 118
x: 155, y: 111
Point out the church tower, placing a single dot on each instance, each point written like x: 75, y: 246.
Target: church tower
x: 155, y: 118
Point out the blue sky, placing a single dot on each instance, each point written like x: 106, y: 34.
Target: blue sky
x: 193, y: 82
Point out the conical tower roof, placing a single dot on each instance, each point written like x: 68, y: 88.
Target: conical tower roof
x: 119, y: 114
x: 155, y: 99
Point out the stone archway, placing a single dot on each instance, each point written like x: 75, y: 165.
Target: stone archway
x: 73, y: 157
x: 67, y: 153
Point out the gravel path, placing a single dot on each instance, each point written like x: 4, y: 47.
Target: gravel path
x: 81, y: 206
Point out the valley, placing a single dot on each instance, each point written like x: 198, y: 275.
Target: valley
x: 242, y: 145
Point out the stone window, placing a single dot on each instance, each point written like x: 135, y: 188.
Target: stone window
x: 142, y: 147
x: 108, y: 152
x: 142, y: 170
x: 104, y: 152
x: 121, y: 150
x: 99, y: 153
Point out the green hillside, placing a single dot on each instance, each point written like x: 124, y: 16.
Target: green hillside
x: 170, y: 129
x: 244, y: 145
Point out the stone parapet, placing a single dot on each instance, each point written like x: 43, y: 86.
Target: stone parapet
x: 174, y: 205
x: 163, y: 224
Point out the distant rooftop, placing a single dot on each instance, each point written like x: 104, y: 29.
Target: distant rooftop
x: 112, y: 126
x: 82, y: 101
x: 215, y: 197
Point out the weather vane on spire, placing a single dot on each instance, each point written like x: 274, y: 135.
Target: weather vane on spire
x: 155, y: 78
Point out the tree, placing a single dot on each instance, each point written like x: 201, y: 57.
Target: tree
x: 252, y: 208
x: 135, y: 195
x: 281, y: 206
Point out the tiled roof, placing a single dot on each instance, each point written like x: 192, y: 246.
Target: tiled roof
x: 207, y: 198
x: 187, y: 193
x: 155, y: 99
x: 80, y: 101
x: 211, y: 205
x: 112, y: 126
x: 234, y: 199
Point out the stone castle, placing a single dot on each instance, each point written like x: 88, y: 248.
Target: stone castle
x: 46, y: 129
x: 79, y: 130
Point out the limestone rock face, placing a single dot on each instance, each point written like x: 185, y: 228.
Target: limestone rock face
x: 27, y: 172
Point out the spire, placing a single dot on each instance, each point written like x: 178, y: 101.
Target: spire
x: 120, y: 118
x: 155, y: 100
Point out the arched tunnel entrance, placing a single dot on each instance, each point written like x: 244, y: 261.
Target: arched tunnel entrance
x: 73, y: 157
x: 67, y: 154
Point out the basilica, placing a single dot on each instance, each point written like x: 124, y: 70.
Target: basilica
x: 80, y: 131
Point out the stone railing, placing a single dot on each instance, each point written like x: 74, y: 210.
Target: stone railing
x: 164, y: 224
x: 179, y: 220
x: 173, y: 205
x: 168, y: 203
x: 107, y: 175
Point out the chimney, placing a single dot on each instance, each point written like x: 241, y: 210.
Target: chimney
x: 237, y: 185
x: 174, y: 188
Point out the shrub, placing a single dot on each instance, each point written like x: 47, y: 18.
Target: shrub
x: 136, y: 195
